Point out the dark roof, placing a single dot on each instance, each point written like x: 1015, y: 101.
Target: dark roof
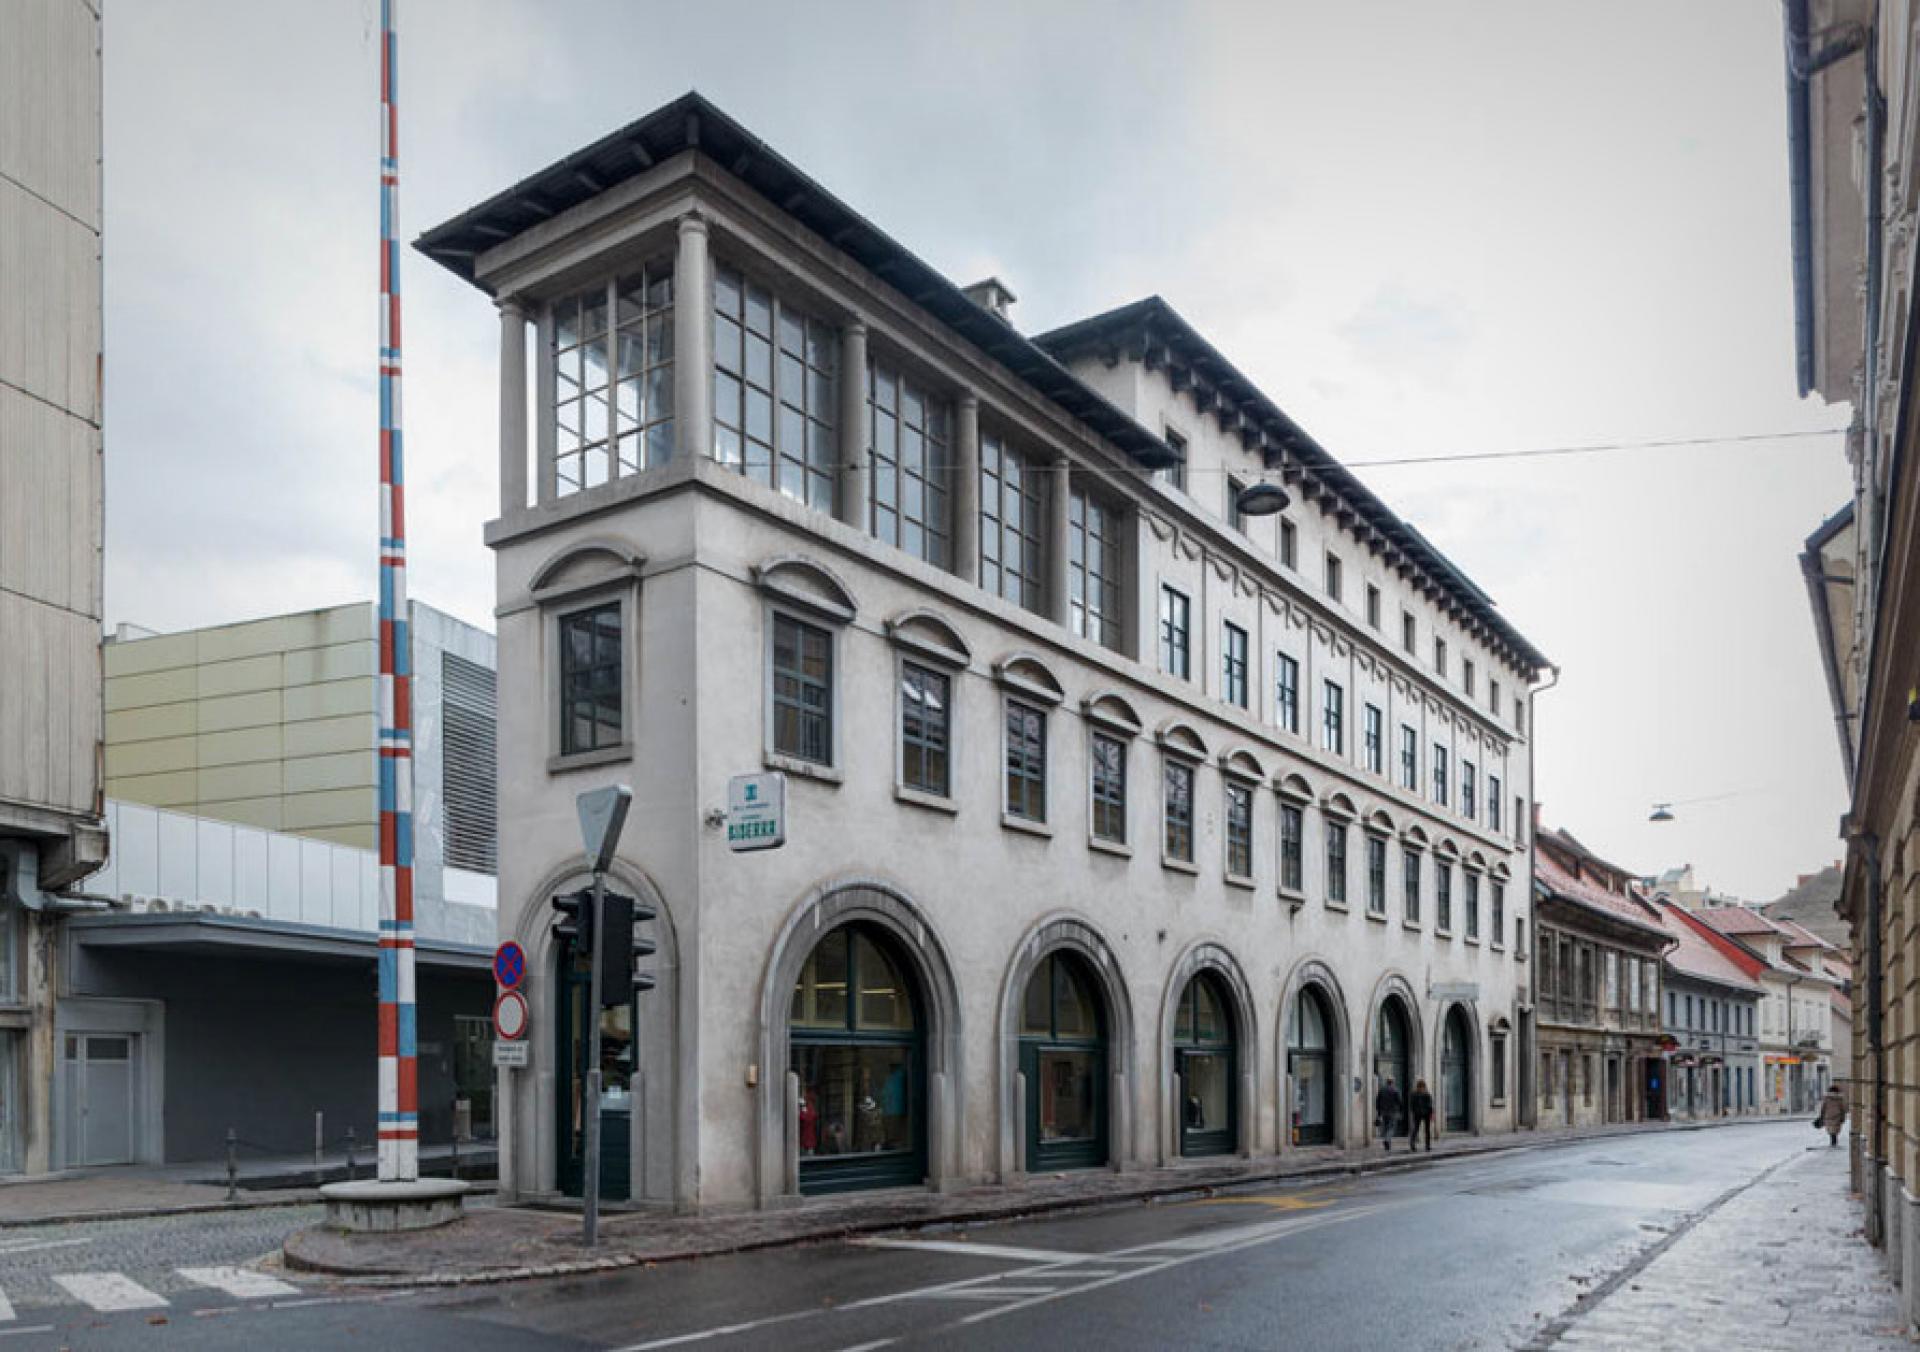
x: 691, y: 122
x: 1150, y: 325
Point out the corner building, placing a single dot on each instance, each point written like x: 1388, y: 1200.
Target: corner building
x: 1122, y: 829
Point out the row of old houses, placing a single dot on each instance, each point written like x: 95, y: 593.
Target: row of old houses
x: 1662, y: 1001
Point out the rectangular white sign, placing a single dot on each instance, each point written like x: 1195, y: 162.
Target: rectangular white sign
x: 512, y: 1054
x: 757, y: 812
x: 1454, y: 990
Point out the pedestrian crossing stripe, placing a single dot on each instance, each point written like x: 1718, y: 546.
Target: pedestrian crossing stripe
x: 241, y: 1283
x: 109, y: 1291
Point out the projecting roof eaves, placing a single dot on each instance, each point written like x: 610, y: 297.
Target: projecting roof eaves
x: 692, y: 123
x: 1143, y: 326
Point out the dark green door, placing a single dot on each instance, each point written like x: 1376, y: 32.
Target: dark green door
x: 1456, y: 1072
x: 857, y: 1048
x: 617, y: 1052
x: 1203, y: 1047
x: 1063, y: 1055
x: 1310, y: 1064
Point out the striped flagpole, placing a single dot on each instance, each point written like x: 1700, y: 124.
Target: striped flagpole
x: 399, y: 1081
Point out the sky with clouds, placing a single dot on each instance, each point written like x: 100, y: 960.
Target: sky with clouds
x: 1424, y: 229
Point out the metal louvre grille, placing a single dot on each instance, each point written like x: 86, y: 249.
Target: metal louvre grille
x: 467, y: 764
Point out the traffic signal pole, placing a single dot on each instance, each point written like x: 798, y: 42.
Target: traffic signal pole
x: 590, y: 1182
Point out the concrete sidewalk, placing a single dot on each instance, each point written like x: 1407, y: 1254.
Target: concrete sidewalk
x: 495, y: 1244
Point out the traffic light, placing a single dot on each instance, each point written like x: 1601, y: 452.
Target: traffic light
x: 574, y: 925
x: 619, y: 948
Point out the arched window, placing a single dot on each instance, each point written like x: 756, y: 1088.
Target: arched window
x: 1203, y: 1049
x: 1310, y: 1068
x: 854, y: 1030
x: 1063, y: 1057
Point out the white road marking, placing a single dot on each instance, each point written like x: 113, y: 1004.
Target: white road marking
x: 108, y: 1291
x: 989, y: 1292
x: 723, y: 1331
x: 869, y: 1347
x: 979, y: 1250
x: 6, y: 1309
x: 11, y: 1247
x: 26, y: 1328
x: 244, y: 1283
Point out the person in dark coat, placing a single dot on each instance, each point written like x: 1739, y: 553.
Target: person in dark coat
x: 1832, y: 1115
x: 1420, y: 1107
x: 1386, y: 1112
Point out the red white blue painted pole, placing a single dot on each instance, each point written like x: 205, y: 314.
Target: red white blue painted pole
x: 399, y: 1079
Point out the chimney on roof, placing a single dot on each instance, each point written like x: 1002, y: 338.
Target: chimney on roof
x: 992, y: 295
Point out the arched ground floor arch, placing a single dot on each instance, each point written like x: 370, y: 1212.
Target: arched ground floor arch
x: 1458, y: 1074
x: 1315, y: 1043
x: 1209, y: 1039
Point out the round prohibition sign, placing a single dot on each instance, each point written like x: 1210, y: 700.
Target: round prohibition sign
x: 509, y: 965
x: 511, y: 1016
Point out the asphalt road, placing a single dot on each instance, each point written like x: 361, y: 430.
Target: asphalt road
x: 1477, y: 1253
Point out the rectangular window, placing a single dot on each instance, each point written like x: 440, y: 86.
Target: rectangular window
x: 775, y: 390
x: 1409, y: 759
x: 910, y: 439
x: 1333, y: 576
x: 1175, y: 475
x: 1443, y: 896
x: 1376, y: 875
x: 1292, y: 865
x: 1093, y: 569
x: 1012, y: 519
x: 1473, y: 905
x: 925, y: 723
x: 1440, y: 655
x: 802, y: 690
x: 1179, y: 811
x: 1497, y: 1075
x: 590, y: 679
x: 1673, y: 1009
x: 1109, y: 755
x: 1333, y: 731
x: 1336, y: 861
x: 1499, y: 918
x: 1233, y: 664
x: 1026, y: 761
x: 1235, y: 517
x: 1410, y: 885
x: 1286, y: 692
x: 1373, y: 734
x: 1466, y: 787
x: 1467, y: 675
x: 1239, y: 831
x: 1493, y: 802
x: 1373, y: 605
x: 1519, y: 715
x: 1519, y: 819
x: 1174, y: 652
x: 1493, y: 697
x: 612, y: 356
x: 469, y: 770
x: 1439, y: 774
x: 1289, y: 544
x: 1408, y: 630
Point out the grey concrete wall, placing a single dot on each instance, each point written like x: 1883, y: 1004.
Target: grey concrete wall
x: 261, y: 1043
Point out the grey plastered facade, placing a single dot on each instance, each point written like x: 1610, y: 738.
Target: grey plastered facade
x: 701, y: 565
x: 51, y: 528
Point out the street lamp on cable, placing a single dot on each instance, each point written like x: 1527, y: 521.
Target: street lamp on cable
x: 1261, y: 499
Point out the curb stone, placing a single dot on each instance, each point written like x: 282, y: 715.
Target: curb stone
x: 828, y: 1230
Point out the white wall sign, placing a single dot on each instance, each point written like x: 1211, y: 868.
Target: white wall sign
x: 1454, y: 990
x: 511, y: 1054
x: 757, y: 812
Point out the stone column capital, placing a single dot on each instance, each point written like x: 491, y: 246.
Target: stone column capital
x: 693, y: 222
x: 513, y: 307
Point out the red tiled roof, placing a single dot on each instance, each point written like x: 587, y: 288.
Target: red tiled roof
x: 1704, y: 954
x: 1737, y: 920
x: 1628, y: 907
x: 1841, y: 1003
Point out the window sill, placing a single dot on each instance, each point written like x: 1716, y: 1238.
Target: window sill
x: 1333, y: 905
x: 1377, y: 917
x: 1118, y: 848
x: 1413, y: 925
x: 1473, y: 939
x: 581, y: 760
x: 1446, y: 934
x: 1179, y: 866
x: 1026, y: 824
x: 806, y: 769
x: 1241, y: 881
x: 1293, y: 896
x: 933, y: 802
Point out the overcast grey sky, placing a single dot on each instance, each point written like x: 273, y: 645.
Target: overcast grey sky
x: 1424, y: 229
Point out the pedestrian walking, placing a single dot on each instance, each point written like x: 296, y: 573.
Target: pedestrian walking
x: 1832, y: 1114
x: 1420, y: 1107
x: 1386, y: 1112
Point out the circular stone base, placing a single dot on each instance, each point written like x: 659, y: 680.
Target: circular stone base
x: 376, y: 1207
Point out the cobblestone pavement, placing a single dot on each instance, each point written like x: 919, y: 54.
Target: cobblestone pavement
x: 1781, y: 1264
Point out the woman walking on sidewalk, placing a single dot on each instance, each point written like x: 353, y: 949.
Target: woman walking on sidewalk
x: 1832, y: 1114
x: 1420, y: 1108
